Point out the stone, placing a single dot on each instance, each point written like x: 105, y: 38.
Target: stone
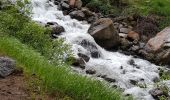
x: 78, y: 4
x: 111, y: 80
x: 75, y: 3
x: 72, y: 3
x: 79, y: 15
x: 156, y: 93
x: 56, y: 29
x: 90, y: 71
x: 158, y: 46
x: 123, y: 35
x: 7, y: 66
x: 91, y: 47
x: 104, y: 33
x: 64, y: 5
x: 133, y: 36
x: 134, y: 82
x: 125, y: 30
x: 78, y: 62
x: 87, y: 12
x: 85, y: 57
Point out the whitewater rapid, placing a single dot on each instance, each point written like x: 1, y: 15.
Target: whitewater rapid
x: 109, y: 64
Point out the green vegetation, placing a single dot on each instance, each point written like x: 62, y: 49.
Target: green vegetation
x: 56, y: 78
x: 13, y: 23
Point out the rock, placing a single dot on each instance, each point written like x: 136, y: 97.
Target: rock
x: 90, y: 71
x: 133, y: 36
x: 125, y: 30
x: 56, y: 29
x: 156, y: 93
x: 134, y: 82
x: 79, y: 15
x: 78, y: 62
x: 75, y: 3
x: 78, y: 4
x: 7, y: 66
x: 125, y: 44
x: 72, y: 3
x: 110, y: 79
x: 104, y: 33
x: 87, y: 12
x: 159, y: 46
x: 91, y: 47
x: 85, y: 57
x: 64, y: 5
x: 135, y: 48
x: 122, y: 35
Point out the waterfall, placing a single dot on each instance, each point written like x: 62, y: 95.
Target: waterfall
x: 112, y: 64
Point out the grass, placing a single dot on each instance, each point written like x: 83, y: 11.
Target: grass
x: 57, y: 78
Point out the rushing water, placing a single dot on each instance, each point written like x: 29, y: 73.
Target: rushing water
x: 113, y: 64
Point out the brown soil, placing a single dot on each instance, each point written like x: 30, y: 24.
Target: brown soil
x: 12, y: 88
x: 19, y: 86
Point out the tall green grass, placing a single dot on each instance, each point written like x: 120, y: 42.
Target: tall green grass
x: 57, y: 78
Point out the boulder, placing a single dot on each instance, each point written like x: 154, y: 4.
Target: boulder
x: 159, y: 46
x: 104, y: 33
x: 91, y: 47
x: 56, y: 29
x: 7, y: 66
x: 79, y: 15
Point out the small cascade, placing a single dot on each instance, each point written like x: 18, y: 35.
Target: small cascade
x: 126, y: 72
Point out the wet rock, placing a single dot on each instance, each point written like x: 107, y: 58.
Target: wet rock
x: 85, y: 57
x: 134, y: 82
x: 91, y: 47
x: 7, y: 66
x: 111, y: 80
x: 159, y: 47
x: 156, y: 93
x: 78, y: 62
x: 133, y: 36
x: 91, y: 71
x: 56, y: 29
x: 104, y: 33
x: 79, y: 15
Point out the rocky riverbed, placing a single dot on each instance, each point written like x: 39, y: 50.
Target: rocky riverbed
x: 110, y: 49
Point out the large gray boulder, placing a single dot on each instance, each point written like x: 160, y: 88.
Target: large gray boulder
x: 159, y: 47
x: 104, y: 33
x: 7, y: 66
